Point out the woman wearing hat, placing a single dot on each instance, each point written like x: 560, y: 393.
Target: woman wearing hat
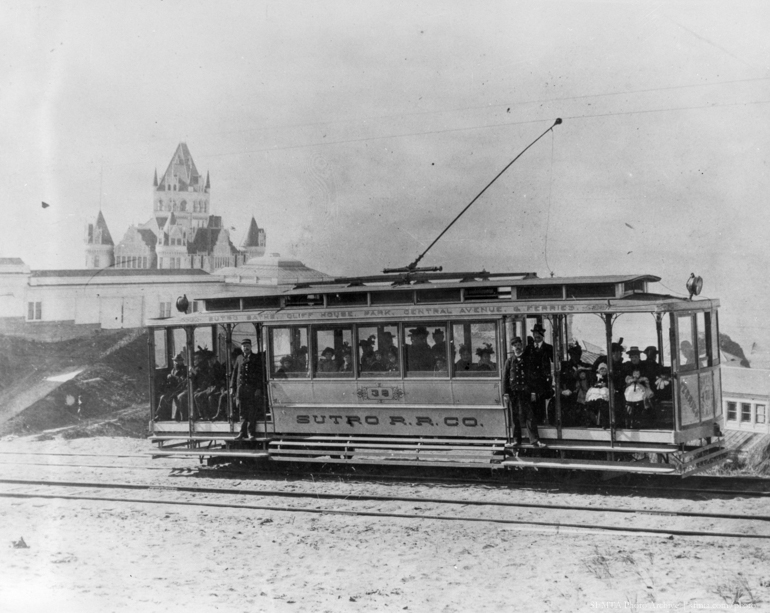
x: 419, y: 356
x: 327, y: 363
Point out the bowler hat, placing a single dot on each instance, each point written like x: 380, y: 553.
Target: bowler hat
x: 651, y: 350
x: 419, y: 331
x: 538, y: 328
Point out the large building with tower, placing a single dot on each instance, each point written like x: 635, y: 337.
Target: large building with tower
x: 182, y: 232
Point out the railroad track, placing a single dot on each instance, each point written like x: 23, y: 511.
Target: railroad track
x: 660, y: 486
x: 747, y: 526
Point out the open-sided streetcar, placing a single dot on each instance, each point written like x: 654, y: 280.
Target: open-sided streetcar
x: 407, y: 368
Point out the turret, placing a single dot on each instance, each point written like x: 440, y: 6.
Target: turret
x: 254, y: 243
x: 100, y: 250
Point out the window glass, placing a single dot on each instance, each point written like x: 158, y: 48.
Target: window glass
x: 745, y: 412
x: 203, y: 338
x: 704, y: 340
x: 333, y: 352
x: 161, y: 359
x: 732, y: 411
x: 179, y: 346
x: 425, y: 350
x: 289, y: 351
x: 473, y: 347
x: 760, y: 413
x: 378, y: 354
x: 686, y: 343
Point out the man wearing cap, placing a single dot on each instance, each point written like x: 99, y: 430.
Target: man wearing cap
x: 419, y: 356
x: 519, y: 392
x: 246, y: 384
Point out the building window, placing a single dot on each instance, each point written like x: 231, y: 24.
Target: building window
x: 745, y: 412
x: 760, y: 414
x: 165, y: 309
x: 96, y: 261
x: 732, y: 411
x: 34, y: 311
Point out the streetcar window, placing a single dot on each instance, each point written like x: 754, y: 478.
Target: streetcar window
x: 179, y: 344
x: 161, y: 354
x: 203, y: 338
x: 347, y: 299
x: 539, y: 292
x: 760, y: 414
x: 288, y: 351
x: 473, y: 349
x: 425, y: 350
x: 332, y: 348
x: 591, y: 290
x: 378, y: 354
x: 713, y: 319
x: 685, y: 325
x: 704, y: 340
x: 745, y: 412
x: 402, y: 297
x: 732, y: 411
x: 438, y: 295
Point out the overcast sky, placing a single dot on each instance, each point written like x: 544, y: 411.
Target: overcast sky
x: 355, y: 131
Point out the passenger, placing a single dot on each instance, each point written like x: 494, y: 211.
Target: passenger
x: 217, y: 397
x: 300, y: 360
x: 200, y: 377
x: 660, y: 379
x: 387, y: 347
x: 419, y: 356
x: 618, y: 378
x: 327, y: 363
x: 392, y: 363
x: 377, y: 363
x: 439, y: 345
x: 598, y: 399
x: 464, y: 364
x: 347, y: 363
x: 246, y: 383
x: 286, y: 363
x: 203, y: 386
x: 519, y: 393
x: 175, y: 383
x: 638, y: 400
x: 572, y: 413
x: 367, y: 352
x: 439, y: 366
x: 634, y: 363
x: 686, y: 353
x: 485, y: 358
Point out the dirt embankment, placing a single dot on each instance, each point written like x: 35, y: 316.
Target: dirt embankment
x: 107, y: 396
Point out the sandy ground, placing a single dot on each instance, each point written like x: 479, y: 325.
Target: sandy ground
x: 86, y: 556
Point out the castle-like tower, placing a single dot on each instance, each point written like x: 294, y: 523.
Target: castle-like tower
x: 181, y: 191
x: 182, y: 232
x: 100, y: 249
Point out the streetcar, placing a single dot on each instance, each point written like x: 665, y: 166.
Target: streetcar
x: 341, y: 382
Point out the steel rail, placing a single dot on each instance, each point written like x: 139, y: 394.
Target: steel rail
x: 380, y: 498
x: 378, y: 514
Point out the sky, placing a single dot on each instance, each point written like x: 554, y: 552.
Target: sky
x: 354, y: 132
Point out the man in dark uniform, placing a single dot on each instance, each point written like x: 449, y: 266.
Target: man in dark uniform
x: 246, y: 383
x: 519, y: 392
